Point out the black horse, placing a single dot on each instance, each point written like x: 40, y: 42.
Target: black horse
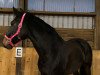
x: 56, y: 56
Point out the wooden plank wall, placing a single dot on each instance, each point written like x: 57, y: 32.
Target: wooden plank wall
x: 96, y: 62
x: 97, y: 24
x: 7, y: 62
x: 29, y: 62
x: 86, y: 34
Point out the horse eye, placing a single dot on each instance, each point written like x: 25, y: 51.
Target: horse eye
x: 12, y: 23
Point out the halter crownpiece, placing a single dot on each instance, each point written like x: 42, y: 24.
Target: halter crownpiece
x: 9, y: 39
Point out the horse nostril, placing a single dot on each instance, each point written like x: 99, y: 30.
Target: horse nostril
x: 6, y: 41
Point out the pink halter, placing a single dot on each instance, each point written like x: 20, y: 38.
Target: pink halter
x: 17, y: 32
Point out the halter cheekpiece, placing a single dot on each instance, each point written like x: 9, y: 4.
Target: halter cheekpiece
x: 17, y: 32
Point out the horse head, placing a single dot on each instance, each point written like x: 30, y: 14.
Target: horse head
x: 17, y: 31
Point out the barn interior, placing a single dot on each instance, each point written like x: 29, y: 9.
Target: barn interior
x: 70, y: 18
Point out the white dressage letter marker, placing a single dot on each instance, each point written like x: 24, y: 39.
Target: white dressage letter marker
x: 19, y: 51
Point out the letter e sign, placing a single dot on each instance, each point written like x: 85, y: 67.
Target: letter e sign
x: 19, y: 51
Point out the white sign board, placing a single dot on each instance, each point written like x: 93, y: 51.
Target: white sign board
x: 19, y: 51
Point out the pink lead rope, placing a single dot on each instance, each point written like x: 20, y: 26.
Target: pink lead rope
x: 17, y: 32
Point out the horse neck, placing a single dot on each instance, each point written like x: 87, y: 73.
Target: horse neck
x: 43, y: 43
x: 36, y: 40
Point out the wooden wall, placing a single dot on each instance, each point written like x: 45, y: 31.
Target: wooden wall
x: 28, y: 64
x: 96, y: 62
x: 9, y: 64
x: 97, y: 24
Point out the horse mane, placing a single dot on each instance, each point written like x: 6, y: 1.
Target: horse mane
x: 42, y: 25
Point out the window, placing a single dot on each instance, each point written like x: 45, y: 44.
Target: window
x: 62, y: 5
x: 8, y: 3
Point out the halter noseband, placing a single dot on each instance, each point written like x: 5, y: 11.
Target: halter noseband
x: 9, y: 39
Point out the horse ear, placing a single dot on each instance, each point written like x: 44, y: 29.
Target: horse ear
x: 16, y: 12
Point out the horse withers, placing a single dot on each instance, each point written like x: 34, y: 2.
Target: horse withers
x: 56, y: 56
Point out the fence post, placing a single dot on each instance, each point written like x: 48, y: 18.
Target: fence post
x: 18, y: 60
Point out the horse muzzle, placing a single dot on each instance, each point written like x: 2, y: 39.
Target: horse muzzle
x: 6, y: 43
